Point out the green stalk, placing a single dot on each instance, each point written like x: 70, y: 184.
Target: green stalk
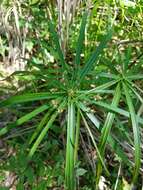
x: 77, y: 136
x: 69, y: 169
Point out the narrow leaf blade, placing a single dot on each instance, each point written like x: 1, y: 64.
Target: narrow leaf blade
x: 28, y: 98
x: 24, y: 119
x: 95, y: 56
x: 57, y: 44
x: 136, y: 133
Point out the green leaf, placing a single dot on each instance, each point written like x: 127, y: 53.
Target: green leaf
x: 93, y: 119
x: 108, y: 75
x: 4, y: 188
x: 98, y: 88
x: 108, y: 62
x: 136, y: 86
x: 135, y: 77
x: 89, y: 114
x: 29, y: 97
x: 136, y: 93
x: 111, y: 108
x: 80, y: 40
x: 127, y: 59
x: 80, y: 172
x: 45, y: 130
x: 57, y: 44
x: 106, y: 130
x: 136, y: 133
x: 109, y: 120
x: 40, y: 126
x: 115, y: 109
x: 24, y: 119
x: 95, y: 56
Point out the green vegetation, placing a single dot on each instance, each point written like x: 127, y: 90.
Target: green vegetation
x: 71, y: 104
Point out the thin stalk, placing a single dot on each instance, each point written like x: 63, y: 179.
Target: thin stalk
x: 117, y: 180
x: 69, y: 169
x: 77, y: 136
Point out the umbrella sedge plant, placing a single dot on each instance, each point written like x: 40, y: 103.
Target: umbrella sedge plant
x: 74, y: 99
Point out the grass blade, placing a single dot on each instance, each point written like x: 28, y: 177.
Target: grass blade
x: 57, y: 45
x: 45, y: 130
x: 136, y: 133
x: 135, y: 77
x: 28, y: 98
x: 136, y: 93
x: 95, y: 56
x: 115, y: 109
x: 80, y: 40
x: 111, y: 108
x: 89, y: 114
x: 106, y: 130
x: 136, y: 86
x: 98, y: 88
x: 40, y: 126
x: 108, y: 75
x: 94, y: 143
x: 24, y: 119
